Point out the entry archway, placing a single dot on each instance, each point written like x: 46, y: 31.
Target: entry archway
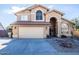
x: 53, y: 27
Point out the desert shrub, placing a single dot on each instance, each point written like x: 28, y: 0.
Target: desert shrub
x: 65, y: 44
x: 63, y: 36
x: 76, y: 34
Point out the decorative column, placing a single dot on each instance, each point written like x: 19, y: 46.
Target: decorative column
x: 59, y: 27
x: 18, y: 19
x: 29, y: 16
x: 44, y: 17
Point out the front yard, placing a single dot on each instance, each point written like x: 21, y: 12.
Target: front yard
x: 38, y: 46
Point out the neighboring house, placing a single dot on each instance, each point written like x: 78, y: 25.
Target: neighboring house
x: 3, y: 32
x: 38, y: 21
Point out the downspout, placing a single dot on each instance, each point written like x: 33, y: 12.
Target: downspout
x: 18, y: 31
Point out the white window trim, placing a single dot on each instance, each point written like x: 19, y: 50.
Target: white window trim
x: 64, y: 30
x: 42, y: 17
x: 26, y: 18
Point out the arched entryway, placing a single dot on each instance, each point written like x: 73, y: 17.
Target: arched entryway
x: 53, y: 27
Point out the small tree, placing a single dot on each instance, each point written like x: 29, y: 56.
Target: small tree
x: 76, y: 21
x: 9, y: 30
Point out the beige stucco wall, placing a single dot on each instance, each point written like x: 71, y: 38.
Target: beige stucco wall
x: 33, y: 13
x: 69, y: 27
x: 32, y: 17
x: 15, y: 31
x: 58, y: 17
x: 46, y: 17
x: 26, y: 29
x: 25, y: 13
x: 52, y: 14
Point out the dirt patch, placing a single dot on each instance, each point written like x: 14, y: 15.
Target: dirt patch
x: 76, y: 33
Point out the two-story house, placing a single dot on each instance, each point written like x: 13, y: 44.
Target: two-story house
x: 38, y: 21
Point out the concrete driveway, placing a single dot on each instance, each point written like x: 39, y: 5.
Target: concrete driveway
x: 28, y: 47
x: 36, y: 47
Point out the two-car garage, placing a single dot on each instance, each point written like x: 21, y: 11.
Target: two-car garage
x: 30, y: 29
x: 31, y: 32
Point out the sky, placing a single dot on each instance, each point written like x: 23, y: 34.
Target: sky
x: 7, y: 11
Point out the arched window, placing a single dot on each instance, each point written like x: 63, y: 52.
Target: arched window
x: 64, y: 28
x: 39, y: 15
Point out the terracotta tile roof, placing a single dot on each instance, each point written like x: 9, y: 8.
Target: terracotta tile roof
x: 30, y: 23
x: 37, y: 5
x: 3, y: 33
x: 32, y: 7
x: 57, y: 11
x: 68, y: 20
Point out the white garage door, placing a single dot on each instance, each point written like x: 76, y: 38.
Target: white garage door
x: 31, y: 32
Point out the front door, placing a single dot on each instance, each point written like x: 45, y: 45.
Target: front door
x: 53, y: 27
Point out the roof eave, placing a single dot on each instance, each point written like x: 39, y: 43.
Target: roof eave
x: 30, y: 8
x: 30, y: 23
x: 68, y: 21
x: 21, y: 11
x: 61, y: 13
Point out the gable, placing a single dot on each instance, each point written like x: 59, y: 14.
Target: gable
x: 23, y: 12
x: 56, y: 11
x: 33, y: 7
x: 53, y: 14
x: 37, y: 6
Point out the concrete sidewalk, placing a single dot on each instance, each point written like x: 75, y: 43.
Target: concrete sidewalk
x: 3, y: 41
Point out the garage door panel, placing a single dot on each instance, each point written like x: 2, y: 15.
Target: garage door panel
x: 31, y: 32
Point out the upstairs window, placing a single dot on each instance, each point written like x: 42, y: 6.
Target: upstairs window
x: 39, y: 15
x: 24, y: 18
